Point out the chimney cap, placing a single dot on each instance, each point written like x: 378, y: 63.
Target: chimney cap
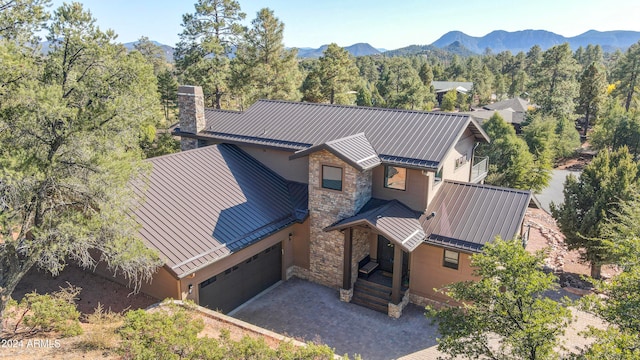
x: 190, y: 90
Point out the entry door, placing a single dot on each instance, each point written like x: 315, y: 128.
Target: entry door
x: 385, y: 254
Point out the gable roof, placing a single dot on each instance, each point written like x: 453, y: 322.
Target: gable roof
x: 468, y: 215
x: 515, y: 104
x: 202, y: 205
x: 443, y: 86
x: 404, y: 137
x: 462, y: 216
x: 508, y: 115
x: 355, y: 150
x: 392, y: 219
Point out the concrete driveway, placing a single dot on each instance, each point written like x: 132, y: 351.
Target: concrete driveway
x: 554, y: 192
x: 311, y: 312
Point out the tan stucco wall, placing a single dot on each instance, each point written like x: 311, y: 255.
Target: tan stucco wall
x: 300, y: 245
x: 163, y: 284
x: 464, y: 146
x: 427, y: 271
x: 415, y: 195
x: 238, y: 257
x: 278, y: 161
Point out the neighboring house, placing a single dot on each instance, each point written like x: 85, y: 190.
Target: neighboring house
x: 513, y: 111
x: 443, y: 87
x: 383, y: 204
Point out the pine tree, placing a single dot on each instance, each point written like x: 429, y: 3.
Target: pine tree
x: 206, y: 42
x: 263, y: 68
x: 336, y: 74
x: 592, y: 200
x: 66, y: 164
x: 555, y: 85
x: 593, y: 92
x: 626, y: 73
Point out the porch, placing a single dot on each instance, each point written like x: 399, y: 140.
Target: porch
x: 378, y: 278
x: 479, y: 169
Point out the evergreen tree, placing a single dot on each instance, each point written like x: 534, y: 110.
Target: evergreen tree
x: 554, y: 82
x: 337, y: 74
x: 507, y: 302
x: 592, y: 200
x: 567, y: 139
x: 593, y: 92
x: 263, y: 68
x: 400, y: 85
x: 66, y: 164
x: 208, y: 38
x: 449, y: 101
x: 511, y: 163
x: 152, y: 53
x: 626, y: 74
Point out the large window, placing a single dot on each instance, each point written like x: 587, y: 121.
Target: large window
x: 395, y: 177
x: 451, y: 259
x: 331, y: 177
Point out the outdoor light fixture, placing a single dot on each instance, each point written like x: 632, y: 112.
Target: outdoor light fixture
x: 190, y: 288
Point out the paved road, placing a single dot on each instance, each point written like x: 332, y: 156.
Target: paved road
x: 553, y: 192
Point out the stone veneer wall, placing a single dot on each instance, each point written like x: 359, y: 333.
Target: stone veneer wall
x: 328, y: 206
x: 360, y: 249
x: 191, y: 114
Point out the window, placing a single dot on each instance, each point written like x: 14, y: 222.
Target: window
x: 331, y: 177
x: 451, y: 259
x: 395, y: 177
x: 438, y: 176
x: 461, y: 161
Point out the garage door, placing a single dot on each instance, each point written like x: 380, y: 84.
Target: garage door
x: 234, y: 286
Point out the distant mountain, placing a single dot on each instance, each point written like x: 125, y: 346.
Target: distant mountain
x: 517, y: 41
x: 359, y: 49
x: 168, y: 50
x: 445, y: 54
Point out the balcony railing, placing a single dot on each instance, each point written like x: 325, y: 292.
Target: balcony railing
x: 479, y: 169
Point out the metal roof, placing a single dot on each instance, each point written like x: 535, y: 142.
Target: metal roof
x: 392, y: 219
x: 414, y: 138
x: 462, y: 216
x: 201, y: 205
x: 440, y: 86
x: 515, y: 104
x: 355, y: 150
x: 467, y: 215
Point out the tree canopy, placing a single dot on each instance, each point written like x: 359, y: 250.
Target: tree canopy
x: 508, y: 303
x: 68, y: 128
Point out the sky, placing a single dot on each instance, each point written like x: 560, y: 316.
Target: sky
x: 383, y: 24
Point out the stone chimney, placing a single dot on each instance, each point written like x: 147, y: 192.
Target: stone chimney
x: 191, y: 107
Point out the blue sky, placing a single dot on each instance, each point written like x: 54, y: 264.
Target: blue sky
x: 383, y: 24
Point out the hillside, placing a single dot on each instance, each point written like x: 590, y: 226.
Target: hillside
x: 517, y: 41
x: 359, y: 49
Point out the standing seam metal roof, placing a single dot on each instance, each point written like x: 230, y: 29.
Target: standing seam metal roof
x: 204, y: 204
x: 413, y: 136
x: 355, y: 150
x: 463, y: 216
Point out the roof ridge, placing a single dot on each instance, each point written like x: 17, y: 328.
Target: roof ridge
x: 359, y: 107
x: 346, y: 138
x: 485, y: 186
x: 224, y: 110
x: 153, y: 159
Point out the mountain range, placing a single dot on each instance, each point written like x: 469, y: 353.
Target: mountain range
x: 517, y: 41
x: 461, y: 44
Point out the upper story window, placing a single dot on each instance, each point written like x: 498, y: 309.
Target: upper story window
x: 438, y: 176
x: 461, y: 161
x: 395, y: 177
x: 451, y: 259
x: 332, y: 177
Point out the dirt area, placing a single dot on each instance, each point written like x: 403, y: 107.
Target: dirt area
x: 110, y: 295
x: 545, y: 234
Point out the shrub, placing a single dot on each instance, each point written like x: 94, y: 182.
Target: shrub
x: 48, y: 312
x: 102, y: 335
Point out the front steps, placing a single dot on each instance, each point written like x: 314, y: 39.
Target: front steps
x: 371, y: 295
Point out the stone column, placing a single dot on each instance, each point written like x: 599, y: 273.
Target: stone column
x: 191, y: 114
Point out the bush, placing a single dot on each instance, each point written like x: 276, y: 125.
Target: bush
x: 165, y: 334
x: 102, y: 335
x: 47, y: 312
